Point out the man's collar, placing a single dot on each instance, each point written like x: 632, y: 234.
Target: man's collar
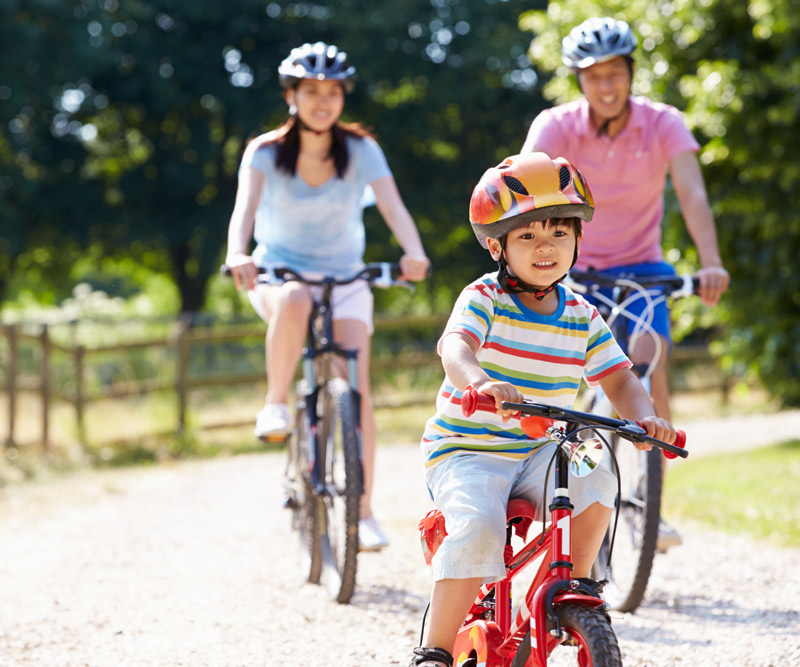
x: 635, y: 117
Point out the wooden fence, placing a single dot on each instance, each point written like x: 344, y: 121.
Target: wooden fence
x: 183, y: 381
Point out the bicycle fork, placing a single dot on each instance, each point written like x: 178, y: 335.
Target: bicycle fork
x: 558, y: 587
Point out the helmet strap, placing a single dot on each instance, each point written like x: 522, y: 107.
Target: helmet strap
x: 603, y: 129
x: 513, y: 285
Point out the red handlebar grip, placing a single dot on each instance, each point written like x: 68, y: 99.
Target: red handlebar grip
x: 471, y: 400
x: 680, y: 442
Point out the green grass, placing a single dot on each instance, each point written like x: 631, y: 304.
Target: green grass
x: 755, y: 492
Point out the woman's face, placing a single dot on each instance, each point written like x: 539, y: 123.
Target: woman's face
x: 319, y: 103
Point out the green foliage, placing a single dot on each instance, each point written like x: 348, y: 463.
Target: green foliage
x: 133, y: 117
x: 734, y: 69
x: 755, y: 492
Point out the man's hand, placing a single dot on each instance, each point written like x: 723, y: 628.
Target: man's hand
x: 714, y: 281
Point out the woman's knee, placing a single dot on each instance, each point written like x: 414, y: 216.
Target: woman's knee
x: 292, y: 299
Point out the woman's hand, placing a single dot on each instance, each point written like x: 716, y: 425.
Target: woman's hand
x: 414, y: 267
x: 243, y: 270
x: 502, y: 391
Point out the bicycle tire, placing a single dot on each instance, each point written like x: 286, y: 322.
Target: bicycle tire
x: 588, y: 640
x: 343, y: 480
x: 637, y: 532
x: 305, y: 505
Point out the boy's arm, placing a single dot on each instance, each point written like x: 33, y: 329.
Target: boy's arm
x: 631, y: 401
x: 463, y: 369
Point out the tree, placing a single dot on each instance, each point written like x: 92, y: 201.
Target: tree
x: 155, y: 101
x: 734, y: 69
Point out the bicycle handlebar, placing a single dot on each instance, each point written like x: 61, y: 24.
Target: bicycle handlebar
x: 682, y: 285
x: 378, y: 274
x: 535, y: 418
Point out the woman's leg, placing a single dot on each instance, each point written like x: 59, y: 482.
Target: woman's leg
x: 288, y: 308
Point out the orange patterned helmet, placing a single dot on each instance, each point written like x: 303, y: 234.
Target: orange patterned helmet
x: 526, y: 188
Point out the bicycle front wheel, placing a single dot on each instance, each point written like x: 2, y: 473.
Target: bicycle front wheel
x: 341, y: 449
x: 587, y: 640
x: 637, y: 532
x: 300, y: 499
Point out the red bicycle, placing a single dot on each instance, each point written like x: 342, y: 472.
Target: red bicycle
x: 561, y: 620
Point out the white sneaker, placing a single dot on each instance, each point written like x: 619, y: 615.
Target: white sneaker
x: 272, y: 422
x: 667, y: 537
x: 371, y: 536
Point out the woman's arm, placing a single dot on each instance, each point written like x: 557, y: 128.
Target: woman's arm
x: 240, y: 229
x: 414, y: 262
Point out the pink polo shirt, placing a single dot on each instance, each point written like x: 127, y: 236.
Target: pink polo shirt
x: 626, y: 175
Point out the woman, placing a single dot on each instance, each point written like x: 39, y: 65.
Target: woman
x: 301, y: 195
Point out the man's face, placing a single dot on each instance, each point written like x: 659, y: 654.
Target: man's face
x: 606, y: 86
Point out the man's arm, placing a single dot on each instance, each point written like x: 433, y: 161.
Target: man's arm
x: 690, y: 188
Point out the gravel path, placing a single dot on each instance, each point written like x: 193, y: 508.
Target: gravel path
x: 193, y: 564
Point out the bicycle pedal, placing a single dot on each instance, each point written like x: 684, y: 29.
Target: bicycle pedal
x: 274, y: 439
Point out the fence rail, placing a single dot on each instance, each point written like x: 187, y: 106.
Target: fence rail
x: 182, y: 382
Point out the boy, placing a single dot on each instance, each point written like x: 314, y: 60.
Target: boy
x: 517, y: 334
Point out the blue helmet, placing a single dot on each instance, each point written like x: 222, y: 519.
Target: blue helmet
x: 597, y: 40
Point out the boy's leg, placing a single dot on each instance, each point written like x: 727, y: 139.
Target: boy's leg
x: 451, y: 599
x: 472, y: 493
x: 588, y: 530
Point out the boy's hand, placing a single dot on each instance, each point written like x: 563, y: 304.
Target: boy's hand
x: 502, y: 391
x: 657, y: 428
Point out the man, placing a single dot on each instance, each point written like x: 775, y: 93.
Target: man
x: 625, y: 146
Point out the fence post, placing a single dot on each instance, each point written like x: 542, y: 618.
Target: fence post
x: 182, y: 370
x: 44, y: 387
x: 11, y: 381
x: 80, y: 353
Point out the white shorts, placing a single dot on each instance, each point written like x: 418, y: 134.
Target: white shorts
x: 473, y: 490
x: 350, y: 302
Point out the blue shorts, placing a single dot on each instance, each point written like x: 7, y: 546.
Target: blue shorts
x: 659, y: 319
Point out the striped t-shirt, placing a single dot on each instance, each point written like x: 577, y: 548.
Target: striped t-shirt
x: 544, y: 356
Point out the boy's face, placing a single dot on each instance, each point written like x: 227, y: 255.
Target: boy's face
x: 539, y: 253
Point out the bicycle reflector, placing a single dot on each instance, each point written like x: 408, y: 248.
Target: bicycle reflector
x: 431, y: 533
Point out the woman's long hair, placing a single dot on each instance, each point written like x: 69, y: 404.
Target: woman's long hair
x: 287, y: 141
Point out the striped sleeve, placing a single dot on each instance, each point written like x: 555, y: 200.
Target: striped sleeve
x: 603, y: 354
x: 473, y: 313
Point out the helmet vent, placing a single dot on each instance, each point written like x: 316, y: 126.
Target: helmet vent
x: 563, y: 177
x: 516, y: 185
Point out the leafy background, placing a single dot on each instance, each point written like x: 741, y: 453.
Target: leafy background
x: 122, y: 124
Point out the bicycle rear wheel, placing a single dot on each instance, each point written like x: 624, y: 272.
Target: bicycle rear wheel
x: 304, y: 505
x: 637, y: 532
x: 341, y: 449
x: 587, y: 640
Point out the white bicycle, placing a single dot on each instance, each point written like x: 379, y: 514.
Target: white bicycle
x: 626, y: 562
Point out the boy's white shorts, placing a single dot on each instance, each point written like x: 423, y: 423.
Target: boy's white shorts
x: 473, y: 490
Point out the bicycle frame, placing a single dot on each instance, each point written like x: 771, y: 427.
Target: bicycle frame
x: 489, y: 621
x: 318, y: 360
